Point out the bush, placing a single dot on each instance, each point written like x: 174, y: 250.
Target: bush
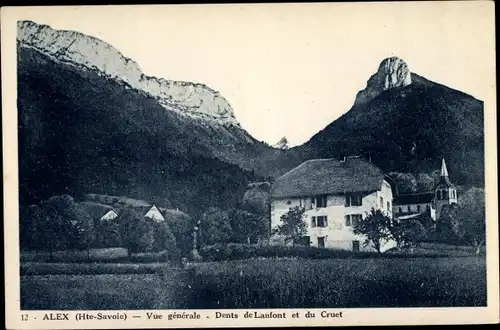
x: 219, y: 252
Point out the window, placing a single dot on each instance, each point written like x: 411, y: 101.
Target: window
x: 320, y: 221
x: 320, y: 201
x: 288, y: 202
x: 400, y: 210
x: 439, y: 195
x: 381, y: 202
x: 352, y: 219
x: 388, y: 206
x: 418, y: 208
x: 428, y: 207
x: 321, y: 242
x: 355, y: 246
x: 353, y: 200
x: 347, y: 220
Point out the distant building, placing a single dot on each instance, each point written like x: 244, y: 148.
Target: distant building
x: 335, y: 194
x: 408, y: 206
x: 96, y: 206
x: 98, y: 211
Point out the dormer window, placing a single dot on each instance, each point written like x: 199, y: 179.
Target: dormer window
x: 353, y: 200
x: 320, y: 201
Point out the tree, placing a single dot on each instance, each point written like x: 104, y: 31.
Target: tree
x: 84, y: 232
x: 56, y: 224
x: 408, y: 232
x: 257, y: 200
x: 28, y: 226
x: 136, y: 232
x: 247, y: 227
x: 406, y: 183
x: 109, y: 234
x: 164, y: 239
x: 471, y: 218
x: 425, y: 182
x: 376, y: 227
x: 292, y: 226
x: 447, y: 225
x: 182, y: 226
x: 143, y: 237
x: 215, y: 226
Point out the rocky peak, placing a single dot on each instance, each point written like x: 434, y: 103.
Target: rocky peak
x: 74, y: 48
x: 282, y: 144
x: 392, y: 72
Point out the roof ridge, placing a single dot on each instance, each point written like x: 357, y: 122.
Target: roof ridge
x: 419, y: 193
x: 303, y: 164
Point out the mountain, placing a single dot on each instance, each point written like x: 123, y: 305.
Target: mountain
x: 406, y: 123
x: 91, y: 122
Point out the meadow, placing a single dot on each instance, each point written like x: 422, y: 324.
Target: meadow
x: 258, y: 283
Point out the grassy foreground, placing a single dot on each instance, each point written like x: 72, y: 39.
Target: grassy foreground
x: 263, y: 283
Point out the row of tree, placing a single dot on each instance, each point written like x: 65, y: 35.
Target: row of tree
x: 59, y: 224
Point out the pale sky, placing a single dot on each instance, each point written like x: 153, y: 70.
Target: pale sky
x: 291, y: 69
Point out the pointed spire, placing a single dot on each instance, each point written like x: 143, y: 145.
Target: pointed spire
x: 444, y: 170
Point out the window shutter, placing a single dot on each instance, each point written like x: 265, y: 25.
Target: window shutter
x: 326, y: 221
x: 347, y: 220
x: 347, y: 202
x: 313, y: 222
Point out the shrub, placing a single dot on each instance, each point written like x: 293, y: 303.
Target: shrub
x: 233, y: 251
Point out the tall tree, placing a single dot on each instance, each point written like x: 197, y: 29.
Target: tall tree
x: 28, y: 226
x: 247, y: 227
x: 55, y: 228
x: 182, y: 226
x: 85, y: 234
x: 136, y: 233
x: 407, y: 233
x: 215, y: 226
x: 472, y: 218
x: 164, y: 239
x: 375, y: 227
x: 292, y: 226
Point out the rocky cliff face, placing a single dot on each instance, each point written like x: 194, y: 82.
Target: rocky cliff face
x: 74, y: 48
x: 404, y: 122
x: 392, y: 72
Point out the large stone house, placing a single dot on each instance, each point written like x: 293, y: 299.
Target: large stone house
x: 335, y: 194
x: 407, y: 206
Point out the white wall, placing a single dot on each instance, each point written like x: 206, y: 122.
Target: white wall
x: 155, y: 214
x: 338, y: 235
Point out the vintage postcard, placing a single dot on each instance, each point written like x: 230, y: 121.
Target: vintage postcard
x: 250, y: 165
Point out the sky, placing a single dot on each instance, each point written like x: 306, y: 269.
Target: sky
x: 291, y: 69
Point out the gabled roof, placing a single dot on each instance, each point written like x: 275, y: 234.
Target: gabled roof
x: 94, y: 210
x: 329, y: 176
x: 152, y: 209
x: 420, y: 198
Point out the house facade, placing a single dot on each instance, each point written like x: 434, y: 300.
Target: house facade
x: 431, y: 203
x: 335, y: 194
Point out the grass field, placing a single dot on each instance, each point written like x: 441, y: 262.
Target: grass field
x: 116, y: 291
x: 262, y: 283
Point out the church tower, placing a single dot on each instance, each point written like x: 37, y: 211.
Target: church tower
x: 444, y: 192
